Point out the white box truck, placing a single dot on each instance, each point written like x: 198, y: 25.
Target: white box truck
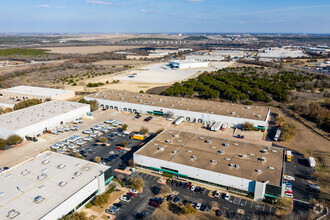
x: 277, y: 135
x: 179, y: 120
x: 311, y: 161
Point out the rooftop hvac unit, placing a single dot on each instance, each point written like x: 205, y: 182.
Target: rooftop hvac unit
x: 248, y: 107
x: 208, y: 141
x: 25, y: 172
x: 121, y: 98
x: 212, y: 147
x: 86, y: 168
x: 221, y: 151
x: 38, y: 199
x: 137, y: 97
x: 233, y: 113
x: 263, y: 151
x: 213, y: 161
x: 230, y: 164
x: 201, y: 138
x: 189, y: 151
x: 267, y: 148
x: 174, y: 152
x: 12, y: 214
x: 60, y: 166
x: 62, y: 183
x: 274, y: 151
x: 176, y: 135
x: 193, y: 157
x: 161, y: 149
x: 271, y: 168
x: 243, y: 155
x: 77, y: 173
x: 140, y: 100
x: 259, y: 171
x: 226, y: 144
x: 262, y: 159
x: 168, y: 141
x: 44, y: 162
x: 42, y: 176
x: 155, y: 144
x: 252, y: 155
x: 235, y: 144
x: 227, y: 158
x: 236, y: 165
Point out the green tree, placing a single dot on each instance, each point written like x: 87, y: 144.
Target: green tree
x: 124, y: 127
x: 14, y: 139
x: 2, y: 144
x: 103, y: 139
x: 287, y: 132
x: 144, y: 130
x: 93, y: 104
x: 75, y: 216
x: 101, y: 200
x: 27, y: 103
x: 137, y: 183
x: 97, y: 159
x: 248, y: 126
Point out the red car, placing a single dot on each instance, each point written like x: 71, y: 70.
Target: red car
x: 288, y: 191
x: 154, y: 204
x: 188, y: 185
x: 131, y: 194
x: 118, y: 148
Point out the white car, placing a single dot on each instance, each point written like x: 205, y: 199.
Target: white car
x: 198, y: 206
x: 315, y: 186
x: 169, y: 119
x: 120, y: 122
x: 87, y: 132
x: 133, y: 191
x: 192, y: 188
x: 124, y: 198
x: 227, y: 196
x: 217, y: 194
x: 290, y: 178
x: 288, y: 195
x: 95, y: 132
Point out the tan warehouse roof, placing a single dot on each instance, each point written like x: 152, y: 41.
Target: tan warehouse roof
x: 194, y: 150
x: 211, y: 107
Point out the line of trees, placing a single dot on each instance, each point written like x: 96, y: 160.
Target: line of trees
x: 11, y: 140
x: 27, y: 103
x: 245, y: 83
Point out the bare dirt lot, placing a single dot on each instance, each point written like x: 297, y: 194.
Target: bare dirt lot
x: 87, y: 49
x: 120, y: 62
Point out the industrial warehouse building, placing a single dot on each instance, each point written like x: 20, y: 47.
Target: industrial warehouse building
x: 187, y: 64
x: 49, y: 186
x: 232, y: 165
x: 192, y: 110
x: 36, y: 119
x: 31, y: 92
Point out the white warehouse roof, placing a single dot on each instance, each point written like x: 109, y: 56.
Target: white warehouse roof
x: 20, y: 186
x: 36, y: 91
x: 38, y: 113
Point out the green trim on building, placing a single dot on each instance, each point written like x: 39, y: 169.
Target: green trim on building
x: 108, y: 180
x: 271, y: 196
x: 157, y: 113
x: 168, y: 171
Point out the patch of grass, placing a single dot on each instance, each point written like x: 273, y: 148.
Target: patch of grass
x: 110, y: 190
x: 22, y: 52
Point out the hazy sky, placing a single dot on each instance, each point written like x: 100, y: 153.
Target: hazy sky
x: 150, y: 16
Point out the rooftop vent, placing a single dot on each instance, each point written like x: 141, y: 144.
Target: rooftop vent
x: 155, y: 144
x: 274, y: 151
x: 38, y: 199
x: 174, y: 152
x: 85, y: 168
x: 271, y: 168
x: 41, y: 177
x: 60, y: 166
x: 193, y: 157
x: 208, y: 141
x: 189, y: 151
x: 168, y: 141
x: 227, y: 158
x: 213, y: 161
x: 212, y: 147
x: 236, y: 165
x: 258, y: 171
x: 243, y: 155
x: 77, y: 173
x: 226, y: 144
x: 24, y: 172
x: 262, y: 159
x: 161, y: 149
x: 221, y: 151
x: 235, y: 144
x: 62, y: 183
x: 12, y: 214
x: 202, y: 138
x: 263, y: 151
x: 176, y: 135
x: 44, y: 162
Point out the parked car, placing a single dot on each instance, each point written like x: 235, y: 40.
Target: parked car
x: 176, y: 199
x: 313, y: 190
x: 198, y: 206
x: 203, y: 207
x: 133, y: 191
x: 218, y: 213
x: 290, y: 178
x: 192, y: 188
x: 227, y: 196
x: 315, y: 186
x: 188, y: 185
x: 154, y: 204
x: 111, y: 211
x: 131, y: 194
x: 173, y: 182
x: 288, y: 195
x: 217, y: 194
x: 125, y: 198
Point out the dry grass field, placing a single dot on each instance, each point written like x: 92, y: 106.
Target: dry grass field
x: 86, y: 49
x: 120, y: 62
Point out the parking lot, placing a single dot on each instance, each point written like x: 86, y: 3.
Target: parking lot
x: 300, y: 170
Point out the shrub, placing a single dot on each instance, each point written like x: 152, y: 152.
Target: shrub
x: 97, y: 159
x: 14, y: 139
x: 88, y: 205
x: 248, y: 126
x: 101, y: 199
x: 93, y: 104
x: 124, y: 143
x: 110, y: 190
x: 103, y: 139
x: 26, y: 103
x: 124, y: 127
x: 165, y: 189
x: 287, y: 132
x: 75, y: 216
x: 144, y: 130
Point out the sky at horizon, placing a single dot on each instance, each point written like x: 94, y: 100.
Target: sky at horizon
x: 165, y: 16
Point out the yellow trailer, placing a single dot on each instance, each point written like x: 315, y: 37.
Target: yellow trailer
x: 138, y: 137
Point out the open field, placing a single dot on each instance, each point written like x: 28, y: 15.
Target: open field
x: 86, y: 49
x: 121, y: 62
x: 161, y: 73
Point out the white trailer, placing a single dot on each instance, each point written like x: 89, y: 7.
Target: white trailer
x: 277, y: 135
x: 311, y: 161
x: 216, y: 126
x: 179, y: 120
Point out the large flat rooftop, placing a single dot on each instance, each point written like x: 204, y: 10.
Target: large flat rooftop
x: 37, y: 113
x: 20, y: 185
x: 181, y: 147
x: 211, y: 107
x: 35, y: 91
